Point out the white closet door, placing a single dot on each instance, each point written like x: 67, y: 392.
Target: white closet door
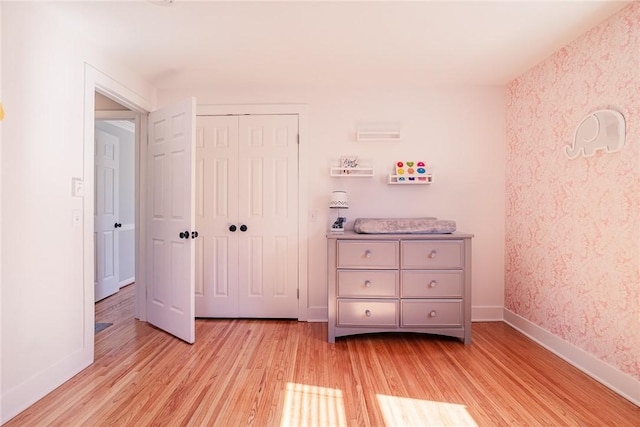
x: 247, y: 173
x: 217, y: 266
x: 106, y: 243
x: 170, y: 219
x: 268, y: 203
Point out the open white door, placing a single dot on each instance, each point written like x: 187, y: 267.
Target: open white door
x: 171, y: 219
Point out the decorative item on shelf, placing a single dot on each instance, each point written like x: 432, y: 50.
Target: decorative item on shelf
x: 348, y: 164
x: 351, y: 166
x: 410, y: 173
x: 338, y: 201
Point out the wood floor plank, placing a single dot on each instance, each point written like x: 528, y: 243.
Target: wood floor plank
x: 284, y: 373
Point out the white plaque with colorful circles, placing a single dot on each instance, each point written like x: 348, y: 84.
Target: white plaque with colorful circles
x: 410, y: 172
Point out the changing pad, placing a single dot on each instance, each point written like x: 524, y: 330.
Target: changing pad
x: 427, y: 225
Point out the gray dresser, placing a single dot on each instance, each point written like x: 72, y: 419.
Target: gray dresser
x: 399, y: 283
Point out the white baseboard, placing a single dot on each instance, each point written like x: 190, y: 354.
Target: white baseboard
x: 35, y: 388
x: 487, y: 313
x: 623, y: 384
x: 126, y: 282
x: 317, y: 314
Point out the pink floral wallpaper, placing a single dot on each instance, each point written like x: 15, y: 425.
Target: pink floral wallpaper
x: 573, y: 226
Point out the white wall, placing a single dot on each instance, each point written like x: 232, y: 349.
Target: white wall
x: 46, y: 332
x: 459, y: 132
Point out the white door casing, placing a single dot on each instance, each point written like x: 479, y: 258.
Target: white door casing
x: 106, y: 236
x: 247, y: 169
x: 170, y: 219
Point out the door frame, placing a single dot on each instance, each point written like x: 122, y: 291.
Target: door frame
x: 97, y: 81
x: 301, y: 110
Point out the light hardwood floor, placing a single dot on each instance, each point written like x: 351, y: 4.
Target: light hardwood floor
x: 284, y: 373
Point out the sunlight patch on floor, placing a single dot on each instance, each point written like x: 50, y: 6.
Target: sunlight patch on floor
x: 402, y: 411
x: 307, y: 405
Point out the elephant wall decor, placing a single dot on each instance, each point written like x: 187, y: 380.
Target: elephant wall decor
x: 600, y: 130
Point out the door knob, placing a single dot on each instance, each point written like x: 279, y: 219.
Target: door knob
x: 194, y: 234
x: 243, y: 228
x: 233, y: 228
x: 117, y: 225
x: 184, y: 235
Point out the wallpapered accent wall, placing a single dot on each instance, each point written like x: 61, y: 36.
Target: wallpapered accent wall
x: 573, y: 226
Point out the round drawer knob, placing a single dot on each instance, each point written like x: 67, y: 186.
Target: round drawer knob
x: 367, y: 283
x: 432, y: 313
x: 432, y: 284
x: 367, y: 313
x: 433, y: 254
x: 367, y: 253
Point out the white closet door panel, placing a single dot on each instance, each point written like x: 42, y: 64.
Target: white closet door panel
x: 158, y: 293
x: 268, y: 207
x: 255, y: 258
x: 216, y: 211
x: 254, y: 189
x: 179, y: 176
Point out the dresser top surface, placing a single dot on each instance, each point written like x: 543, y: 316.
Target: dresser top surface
x: 351, y: 235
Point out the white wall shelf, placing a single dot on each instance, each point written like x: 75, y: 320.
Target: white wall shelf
x: 410, y: 180
x: 378, y: 135
x: 357, y: 172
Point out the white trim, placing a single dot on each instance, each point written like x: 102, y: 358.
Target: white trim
x: 317, y: 314
x: 487, y: 313
x: 125, y: 125
x: 40, y: 384
x: 123, y: 121
x: 116, y: 115
x: 302, y: 111
x: 105, y: 85
x: 141, y: 211
x: 222, y: 109
x: 126, y: 282
x: 623, y: 384
x: 96, y: 81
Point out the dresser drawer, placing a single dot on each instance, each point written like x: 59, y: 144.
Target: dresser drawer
x: 431, y: 283
x: 354, y: 254
x: 432, y: 254
x: 367, y: 313
x: 368, y: 283
x: 431, y: 313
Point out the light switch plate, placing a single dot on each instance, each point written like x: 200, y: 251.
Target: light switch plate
x: 77, y: 187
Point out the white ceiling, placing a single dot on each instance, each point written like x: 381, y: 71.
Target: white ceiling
x: 199, y: 44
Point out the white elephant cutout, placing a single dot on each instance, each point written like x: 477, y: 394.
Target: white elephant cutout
x: 600, y: 130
